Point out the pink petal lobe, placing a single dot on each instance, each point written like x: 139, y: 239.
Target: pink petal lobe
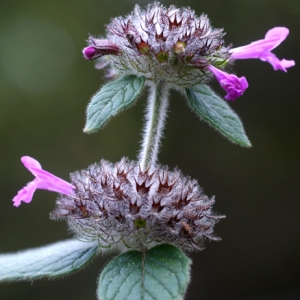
x: 277, y: 34
x: 26, y: 193
x: 287, y: 63
x: 278, y: 64
x: 30, y: 163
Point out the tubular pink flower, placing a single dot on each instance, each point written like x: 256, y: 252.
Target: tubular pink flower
x: 262, y: 49
x: 43, y: 180
x: 233, y: 85
x: 98, y: 48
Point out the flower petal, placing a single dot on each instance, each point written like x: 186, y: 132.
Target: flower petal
x: 26, y: 193
x: 262, y: 49
x: 30, y: 163
x: 50, y: 182
x: 276, y: 35
x: 44, y: 180
x: 277, y: 64
x: 233, y: 85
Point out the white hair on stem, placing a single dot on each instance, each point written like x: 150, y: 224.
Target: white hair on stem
x: 155, y: 116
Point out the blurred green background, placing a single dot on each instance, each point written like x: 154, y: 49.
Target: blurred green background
x: 45, y: 85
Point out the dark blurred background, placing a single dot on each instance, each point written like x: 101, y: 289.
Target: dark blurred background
x: 45, y: 85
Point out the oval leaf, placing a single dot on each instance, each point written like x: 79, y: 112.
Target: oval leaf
x: 217, y: 113
x: 111, y: 99
x: 47, y: 261
x: 161, y: 273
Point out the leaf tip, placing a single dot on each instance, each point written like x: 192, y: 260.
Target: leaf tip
x: 88, y: 129
x: 246, y: 143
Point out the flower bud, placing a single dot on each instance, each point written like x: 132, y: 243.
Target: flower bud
x: 99, y: 48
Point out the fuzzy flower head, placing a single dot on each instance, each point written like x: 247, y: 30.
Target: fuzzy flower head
x: 176, y: 46
x: 159, y: 42
x: 123, y: 207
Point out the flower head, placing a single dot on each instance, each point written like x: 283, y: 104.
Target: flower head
x: 43, y: 180
x: 262, y: 49
x: 176, y: 46
x: 159, y: 42
x: 120, y: 205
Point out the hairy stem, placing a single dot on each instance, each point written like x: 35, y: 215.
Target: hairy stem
x: 155, y: 119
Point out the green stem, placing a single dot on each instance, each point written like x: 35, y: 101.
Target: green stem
x: 155, y: 118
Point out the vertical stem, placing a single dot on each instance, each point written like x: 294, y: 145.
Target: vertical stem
x: 155, y: 119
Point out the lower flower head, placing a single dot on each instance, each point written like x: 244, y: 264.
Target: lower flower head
x: 122, y: 206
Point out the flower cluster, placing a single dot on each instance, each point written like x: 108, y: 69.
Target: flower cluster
x: 122, y: 206
x: 158, y: 42
x: 176, y: 45
x: 141, y: 204
x: 138, y: 205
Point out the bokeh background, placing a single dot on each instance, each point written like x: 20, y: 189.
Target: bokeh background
x: 45, y: 85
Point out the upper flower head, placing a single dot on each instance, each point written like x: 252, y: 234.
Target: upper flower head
x: 262, y: 49
x: 43, y: 180
x: 158, y: 42
x: 121, y: 205
x: 174, y: 45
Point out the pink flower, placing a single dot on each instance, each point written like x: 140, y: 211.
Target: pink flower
x: 98, y: 48
x: 262, y: 49
x: 43, y: 180
x: 233, y: 85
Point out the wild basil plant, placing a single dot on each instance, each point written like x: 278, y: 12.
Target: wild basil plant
x: 151, y: 215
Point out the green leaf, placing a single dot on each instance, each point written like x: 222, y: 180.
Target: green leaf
x: 160, y: 273
x: 111, y: 99
x: 217, y: 113
x: 47, y: 261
